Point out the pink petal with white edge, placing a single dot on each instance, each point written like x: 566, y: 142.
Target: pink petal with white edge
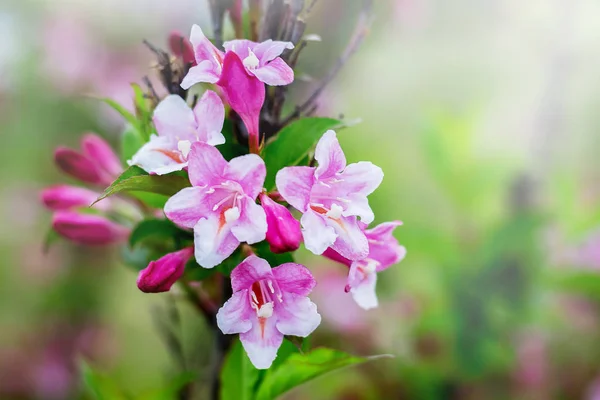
x: 318, y: 236
x: 174, y: 118
x: 251, y: 227
x: 329, y: 155
x: 351, y: 241
x: 205, y: 71
x: 297, y: 315
x: 203, y: 48
x: 294, y: 184
x: 240, y: 47
x: 205, y: 164
x: 262, y: 342
x: 250, y: 270
x: 187, y: 207
x: 361, y: 178
x: 213, y: 242
x: 210, y: 114
x: 270, y: 49
x: 294, y: 278
x: 250, y: 171
x: 275, y: 73
x: 159, y: 156
x: 233, y: 317
x: 363, y: 290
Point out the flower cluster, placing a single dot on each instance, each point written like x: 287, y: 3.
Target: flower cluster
x: 224, y: 210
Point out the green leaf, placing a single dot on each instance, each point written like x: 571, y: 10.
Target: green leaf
x: 586, y: 283
x: 139, y: 257
x: 51, y: 237
x: 171, y: 390
x: 99, y: 386
x: 230, y: 263
x: 263, y: 251
x: 153, y: 200
x: 131, y: 142
x: 301, y: 368
x: 129, y: 117
x: 293, y: 142
x: 239, y: 378
x: 161, y: 229
x: 142, y: 110
x: 136, y: 179
x: 231, y: 148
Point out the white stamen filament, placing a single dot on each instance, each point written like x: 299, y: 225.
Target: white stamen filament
x: 270, y: 284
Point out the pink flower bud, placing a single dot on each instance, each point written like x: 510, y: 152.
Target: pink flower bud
x: 64, y: 197
x: 161, y: 274
x: 88, y: 229
x: 244, y: 93
x: 102, y: 154
x: 283, y: 231
x: 181, y: 47
x: 77, y: 165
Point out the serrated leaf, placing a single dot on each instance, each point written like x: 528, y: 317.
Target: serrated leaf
x: 238, y: 376
x: 156, y: 229
x: 99, y: 386
x: 136, y: 179
x: 131, y: 142
x: 301, y: 368
x: 293, y: 142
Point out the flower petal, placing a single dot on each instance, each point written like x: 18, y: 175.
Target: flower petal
x: 64, y: 197
x: 188, y: 206
x: 275, y: 73
x: 262, y: 342
x: 337, y: 257
x: 249, y: 171
x: 234, y: 316
x: 249, y: 271
x: 98, y: 150
x: 294, y: 278
x: 203, y: 48
x: 213, y: 242
x: 270, y: 49
x: 362, y: 287
x: 251, y: 227
x: 205, y: 71
x: 297, y: 315
x: 351, y: 241
x: 318, y: 236
x: 240, y: 47
x: 159, y: 156
x: 294, y: 184
x: 361, y: 178
x: 329, y: 155
x: 210, y: 114
x: 205, y: 164
x: 383, y: 246
x: 88, y: 229
x: 359, y: 206
x: 174, y: 118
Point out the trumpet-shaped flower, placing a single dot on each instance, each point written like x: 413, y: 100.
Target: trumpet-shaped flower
x: 260, y: 60
x: 331, y: 197
x: 384, y: 251
x: 178, y: 126
x: 266, y: 305
x: 220, y: 206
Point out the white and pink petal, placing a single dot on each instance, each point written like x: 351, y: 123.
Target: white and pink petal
x: 297, y: 315
x: 329, y: 155
x: 294, y: 278
x: 295, y: 184
x: 236, y: 314
x: 213, y: 241
x: 250, y: 270
x: 318, y: 236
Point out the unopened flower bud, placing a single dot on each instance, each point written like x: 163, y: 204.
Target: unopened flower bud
x: 283, y: 230
x: 102, y: 154
x: 77, y: 165
x: 161, y: 274
x: 65, y: 197
x: 88, y: 229
x: 181, y: 47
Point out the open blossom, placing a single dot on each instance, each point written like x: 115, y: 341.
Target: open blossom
x: 384, y: 251
x: 178, y: 126
x: 260, y: 60
x: 96, y: 163
x: 331, y: 197
x: 220, y: 206
x: 283, y: 232
x: 266, y: 305
x: 161, y: 274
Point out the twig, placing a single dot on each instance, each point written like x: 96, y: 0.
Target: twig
x: 358, y: 36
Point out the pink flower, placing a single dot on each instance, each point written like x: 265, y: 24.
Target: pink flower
x: 266, y: 305
x: 181, y: 47
x: 161, y: 274
x: 259, y: 59
x: 64, y: 197
x: 332, y: 196
x: 96, y: 163
x: 384, y: 251
x: 220, y: 206
x: 178, y: 126
x: 88, y: 229
x: 283, y: 232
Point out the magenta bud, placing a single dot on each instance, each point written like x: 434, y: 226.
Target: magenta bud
x: 64, y: 197
x: 161, y: 274
x: 102, y: 155
x: 181, y: 47
x: 283, y: 230
x: 88, y: 229
x: 244, y: 93
x: 77, y: 165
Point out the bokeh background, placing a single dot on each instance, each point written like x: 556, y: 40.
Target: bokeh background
x: 484, y: 117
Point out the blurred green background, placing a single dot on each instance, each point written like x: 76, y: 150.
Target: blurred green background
x: 483, y: 116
